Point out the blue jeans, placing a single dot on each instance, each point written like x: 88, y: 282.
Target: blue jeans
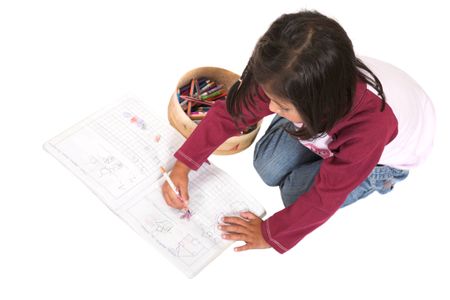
x: 281, y: 160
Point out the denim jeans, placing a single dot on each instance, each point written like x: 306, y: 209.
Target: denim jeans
x: 281, y: 160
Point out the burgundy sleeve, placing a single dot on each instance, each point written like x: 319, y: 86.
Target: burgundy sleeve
x: 357, y: 149
x: 216, y: 128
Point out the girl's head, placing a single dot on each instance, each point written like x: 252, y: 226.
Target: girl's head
x: 306, y: 65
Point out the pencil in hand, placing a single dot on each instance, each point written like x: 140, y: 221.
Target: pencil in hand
x: 187, y: 213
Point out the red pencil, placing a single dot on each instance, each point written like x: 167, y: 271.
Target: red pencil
x: 195, y: 100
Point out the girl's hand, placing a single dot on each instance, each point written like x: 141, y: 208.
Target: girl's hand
x: 179, y: 176
x: 247, y: 229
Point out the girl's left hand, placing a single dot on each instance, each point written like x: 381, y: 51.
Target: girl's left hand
x: 246, y: 228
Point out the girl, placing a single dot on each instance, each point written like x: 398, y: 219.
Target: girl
x: 344, y: 128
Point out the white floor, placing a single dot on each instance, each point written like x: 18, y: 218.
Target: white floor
x: 61, y: 62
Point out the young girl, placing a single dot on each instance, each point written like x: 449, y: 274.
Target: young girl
x: 344, y: 128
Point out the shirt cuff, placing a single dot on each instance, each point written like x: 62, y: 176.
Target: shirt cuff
x: 265, y: 229
x: 192, y: 164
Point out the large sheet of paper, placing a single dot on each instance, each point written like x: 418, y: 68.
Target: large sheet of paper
x: 117, y: 153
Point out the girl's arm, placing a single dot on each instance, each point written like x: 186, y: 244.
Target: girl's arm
x: 216, y: 128
x: 357, y: 149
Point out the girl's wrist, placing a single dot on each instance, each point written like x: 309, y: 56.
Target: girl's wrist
x: 180, y: 167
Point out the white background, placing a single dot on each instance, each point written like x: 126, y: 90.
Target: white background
x: 62, y: 60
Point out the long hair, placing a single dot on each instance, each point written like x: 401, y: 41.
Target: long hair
x: 308, y: 59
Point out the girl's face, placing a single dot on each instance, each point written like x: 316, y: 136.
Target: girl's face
x: 283, y: 107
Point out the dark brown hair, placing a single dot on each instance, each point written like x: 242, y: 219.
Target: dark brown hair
x: 307, y: 58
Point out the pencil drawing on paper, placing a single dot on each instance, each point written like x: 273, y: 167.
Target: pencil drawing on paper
x: 160, y: 226
x: 189, y: 246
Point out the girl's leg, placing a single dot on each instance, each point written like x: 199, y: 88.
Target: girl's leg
x: 298, y: 181
x: 277, y: 154
x: 282, y: 161
x: 382, y: 179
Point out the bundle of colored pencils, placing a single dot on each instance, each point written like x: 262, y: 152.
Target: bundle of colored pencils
x: 197, y: 97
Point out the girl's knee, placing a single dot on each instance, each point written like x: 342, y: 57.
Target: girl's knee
x: 290, y: 193
x: 266, y: 172
x: 270, y: 165
x: 290, y: 196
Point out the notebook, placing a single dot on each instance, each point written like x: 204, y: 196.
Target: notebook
x: 117, y: 152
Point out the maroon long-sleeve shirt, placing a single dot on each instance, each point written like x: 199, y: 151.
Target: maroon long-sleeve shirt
x: 357, y: 143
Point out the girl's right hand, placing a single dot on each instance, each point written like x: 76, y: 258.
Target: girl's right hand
x: 179, y: 176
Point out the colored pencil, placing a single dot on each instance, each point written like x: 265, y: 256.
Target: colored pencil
x: 195, y: 100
